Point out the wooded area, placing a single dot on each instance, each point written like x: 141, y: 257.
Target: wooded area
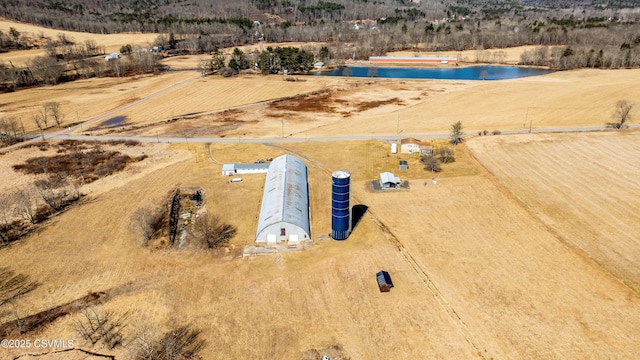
x: 569, y: 34
x: 596, y: 34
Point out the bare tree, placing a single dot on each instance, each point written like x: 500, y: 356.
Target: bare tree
x: 55, y: 191
x: 46, y: 69
x: 104, y: 326
x: 622, y: 114
x: 41, y: 119
x: 213, y: 232
x: 446, y: 155
x: 53, y: 108
x: 7, y: 211
x: 27, y: 204
x: 180, y: 343
x: 456, y: 133
x: 431, y: 163
x: 9, y: 131
x: 147, y: 222
x: 146, y: 342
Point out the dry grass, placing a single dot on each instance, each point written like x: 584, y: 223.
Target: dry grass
x: 466, y: 248
x: 471, y: 56
x: 521, y: 259
x: 110, y: 42
x: 84, y: 99
x: 583, y: 187
x: 562, y: 99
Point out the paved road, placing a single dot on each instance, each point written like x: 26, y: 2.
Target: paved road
x: 312, y: 139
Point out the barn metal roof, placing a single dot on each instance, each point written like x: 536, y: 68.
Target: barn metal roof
x: 387, y: 177
x: 383, y: 278
x: 239, y: 166
x: 286, y: 194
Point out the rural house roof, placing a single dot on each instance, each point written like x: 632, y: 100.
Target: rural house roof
x: 414, y: 141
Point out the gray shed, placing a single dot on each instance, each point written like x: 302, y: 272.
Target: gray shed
x: 388, y: 180
x: 384, y: 281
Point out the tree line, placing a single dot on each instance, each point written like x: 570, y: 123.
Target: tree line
x: 270, y: 61
x: 600, y: 35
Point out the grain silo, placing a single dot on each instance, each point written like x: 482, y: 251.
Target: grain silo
x: 341, y: 212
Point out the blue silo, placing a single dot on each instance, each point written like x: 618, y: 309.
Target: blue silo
x: 340, y: 213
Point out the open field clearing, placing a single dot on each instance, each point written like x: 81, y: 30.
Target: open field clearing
x: 262, y: 307
x: 110, y: 42
x: 585, y: 188
x: 476, y: 274
x: 340, y: 101
x: 212, y: 94
x: 84, y: 99
x: 506, y: 56
x: 519, y: 290
x: 382, y: 106
x: 562, y: 99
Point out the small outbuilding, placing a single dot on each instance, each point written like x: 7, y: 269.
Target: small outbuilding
x: 404, y: 165
x: 384, y: 281
x: 233, y: 169
x: 388, y: 180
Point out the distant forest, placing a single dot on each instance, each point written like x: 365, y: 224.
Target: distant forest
x: 589, y: 33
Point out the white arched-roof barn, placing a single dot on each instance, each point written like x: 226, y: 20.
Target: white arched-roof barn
x: 284, y: 214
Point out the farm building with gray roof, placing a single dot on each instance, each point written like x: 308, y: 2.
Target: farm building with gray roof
x: 284, y: 213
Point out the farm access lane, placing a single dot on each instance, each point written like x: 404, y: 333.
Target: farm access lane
x: 64, y: 135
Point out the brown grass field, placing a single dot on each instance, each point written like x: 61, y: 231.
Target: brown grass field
x: 351, y: 106
x: 527, y: 248
x: 547, y: 173
x: 477, y: 274
x: 110, y: 42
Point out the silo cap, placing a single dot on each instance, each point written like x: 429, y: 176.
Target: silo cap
x: 341, y: 174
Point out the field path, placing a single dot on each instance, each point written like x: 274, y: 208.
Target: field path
x: 412, y: 262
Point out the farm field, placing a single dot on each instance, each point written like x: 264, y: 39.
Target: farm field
x: 85, y: 99
x: 583, y: 187
x: 349, y: 107
x: 110, y: 42
x: 559, y: 100
x: 477, y: 274
x: 527, y: 247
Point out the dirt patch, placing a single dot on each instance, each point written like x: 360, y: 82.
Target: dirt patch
x: 314, y: 103
x: 366, y: 105
x: 72, y: 159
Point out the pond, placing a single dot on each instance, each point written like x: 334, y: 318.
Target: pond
x: 483, y: 72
